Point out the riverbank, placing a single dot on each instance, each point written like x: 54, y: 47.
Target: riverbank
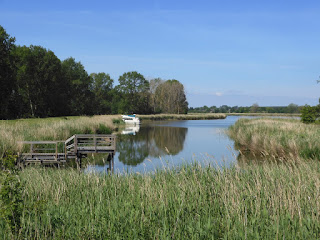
x: 57, y: 128
x: 193, y: 116
x: 189, y: 203
x: 276, y: 138
x: 265, y: 114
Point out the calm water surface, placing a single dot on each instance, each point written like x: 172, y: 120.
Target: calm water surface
x: 161, y: 144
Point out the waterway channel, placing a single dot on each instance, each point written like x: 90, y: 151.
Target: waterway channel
x: 159, y: 144
x: 165, y: 144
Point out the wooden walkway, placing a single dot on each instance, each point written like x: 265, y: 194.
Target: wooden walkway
x: 75, y: 147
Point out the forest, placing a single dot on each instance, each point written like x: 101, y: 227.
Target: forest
x: 36, y: 83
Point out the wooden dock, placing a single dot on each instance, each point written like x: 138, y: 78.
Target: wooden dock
x: 60, y: 152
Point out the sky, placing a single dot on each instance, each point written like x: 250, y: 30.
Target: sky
x: 230, y: 52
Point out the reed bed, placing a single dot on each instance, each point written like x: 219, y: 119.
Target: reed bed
x: 193, y: 116
x: 59, y: 128
x: 276, y: 138
x: 270, y: 201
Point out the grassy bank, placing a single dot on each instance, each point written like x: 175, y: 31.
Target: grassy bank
x: 59, y: 128
x: 276, y: 138
x: 200, y: 116
x: 265, y: 114
x: 256, y: 202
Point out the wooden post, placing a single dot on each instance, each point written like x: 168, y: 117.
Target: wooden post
x: 78, y: 162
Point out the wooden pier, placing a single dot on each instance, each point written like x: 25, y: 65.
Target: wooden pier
x: 60, y: 152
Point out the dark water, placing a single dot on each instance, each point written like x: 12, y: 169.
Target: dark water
x: 171, y: 143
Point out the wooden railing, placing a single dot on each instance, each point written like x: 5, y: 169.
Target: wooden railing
x: 44, y: 151
x: 77, y: 146
x: 89, y: 143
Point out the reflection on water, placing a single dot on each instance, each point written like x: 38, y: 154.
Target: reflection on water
x: 151, y: 141
x: 172, y: 143
x: 157, y: 144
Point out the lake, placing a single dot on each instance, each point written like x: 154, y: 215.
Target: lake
x: 158, y: 144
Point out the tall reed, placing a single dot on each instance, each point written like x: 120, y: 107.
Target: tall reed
x: 277, y: 138
x: 253, y: 202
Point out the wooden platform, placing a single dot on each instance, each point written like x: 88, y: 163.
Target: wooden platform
x: 60, y: 152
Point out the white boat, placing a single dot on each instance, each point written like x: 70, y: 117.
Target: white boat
x: 131, y: 119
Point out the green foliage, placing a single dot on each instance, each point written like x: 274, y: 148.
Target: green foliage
x: 11, y: 189
x: 135, y: 92
x: 116, y: 121
x: 11, y: 201
x: 103, y: 129
x: 8, y: 161
x: 7, y: 69
x: 310, y: 114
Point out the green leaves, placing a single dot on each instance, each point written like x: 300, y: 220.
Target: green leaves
x: 310, y: 114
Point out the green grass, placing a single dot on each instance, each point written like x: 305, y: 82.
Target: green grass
x: 270, y: 201
x: 276, y: 138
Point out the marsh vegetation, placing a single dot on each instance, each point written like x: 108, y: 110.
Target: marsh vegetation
x: 270, y: 201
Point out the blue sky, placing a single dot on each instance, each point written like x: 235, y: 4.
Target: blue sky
x: 224, y: 52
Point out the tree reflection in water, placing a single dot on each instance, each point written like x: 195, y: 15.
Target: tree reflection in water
x: 153, y: 141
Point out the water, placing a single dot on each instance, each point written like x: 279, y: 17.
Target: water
x: 158, y: 144
x: 161, y: 144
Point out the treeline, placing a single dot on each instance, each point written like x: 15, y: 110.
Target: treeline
x: 36, y: 83
x: 255, y: 108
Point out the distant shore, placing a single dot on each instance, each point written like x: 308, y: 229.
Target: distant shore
x: 192, y: 116
x: 265, y: 114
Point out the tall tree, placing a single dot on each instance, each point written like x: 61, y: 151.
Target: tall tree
x: 154, y: 83
x: 101, y: 87
x: 171, y: 98
x: 78, y: 82
x: 7, y: 77
x: 39, y: 82
x: 134, y: 88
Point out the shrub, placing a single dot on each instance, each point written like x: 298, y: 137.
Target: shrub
x: 309, y: 114
x: 103, y: 129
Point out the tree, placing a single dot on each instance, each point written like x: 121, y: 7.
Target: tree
x: 135, y: 90
x: 154, y: 83
x: 40, y: 86
x: 171, y: 98
x: 7, y: 77
x: 254, y: 108
x: 310, y: 114
x: 78, y: 82
x: 101, y: 86
x: 293, y: 108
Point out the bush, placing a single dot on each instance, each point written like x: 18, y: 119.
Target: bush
x: 309, y: 114
x: 103, y: 129
x: 11, y: 203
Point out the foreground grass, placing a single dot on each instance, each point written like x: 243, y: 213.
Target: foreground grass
x: 276, y: 138
x: 192, y: 116
x: 59, y: 128
x: 256, y: 202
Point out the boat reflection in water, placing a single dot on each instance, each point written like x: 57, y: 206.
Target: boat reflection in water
x: 131, y: 130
